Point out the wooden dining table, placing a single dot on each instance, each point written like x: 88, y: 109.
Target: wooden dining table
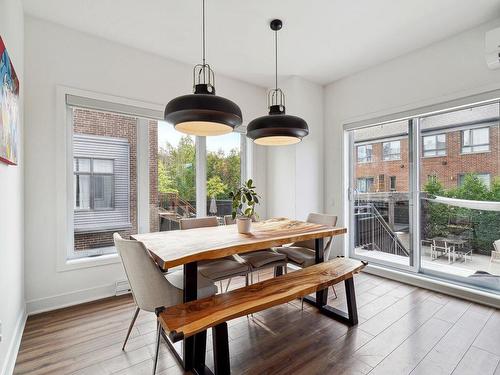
x: 188, y: 247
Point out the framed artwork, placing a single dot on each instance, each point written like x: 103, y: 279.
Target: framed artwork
x: 9, y: 109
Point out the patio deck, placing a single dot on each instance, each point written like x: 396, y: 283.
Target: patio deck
x: 460, y: 268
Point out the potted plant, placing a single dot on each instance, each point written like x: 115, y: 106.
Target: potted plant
x: 243, y: 207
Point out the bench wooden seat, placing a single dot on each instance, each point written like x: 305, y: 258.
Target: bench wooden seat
x: 195, y: 317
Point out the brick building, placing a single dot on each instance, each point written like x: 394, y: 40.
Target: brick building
x: 449, y: 150
x: 101, y: 137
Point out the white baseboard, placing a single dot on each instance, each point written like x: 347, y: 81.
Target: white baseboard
x: 36, y: 306
x: 15, y: 342
x: 437, y: 285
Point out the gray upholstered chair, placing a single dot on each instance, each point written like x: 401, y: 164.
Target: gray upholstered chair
x: 217, y: 269
x: 261, y: 259
x: 302, y: 254
x: 152, y: 289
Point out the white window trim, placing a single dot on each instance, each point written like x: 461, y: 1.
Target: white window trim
x: 64, y: 167
x: 64, y: 173
x: 357, y: 154
x: 479, y: 96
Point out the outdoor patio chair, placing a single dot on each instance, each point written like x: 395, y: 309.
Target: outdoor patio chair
x: 495, y: 254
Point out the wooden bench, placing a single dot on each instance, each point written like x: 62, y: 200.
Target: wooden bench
x: 195, y: 317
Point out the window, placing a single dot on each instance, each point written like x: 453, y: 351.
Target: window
x: 176, y: 154
x: 223, y: 172
x: 475, y: 140
x: 393, y: 183
x: 104, y: 185
x: 434, y: 145
x: 93, y: 184
x: 365, y: 184
x: 365, y: 153
x: 436, y: 216
x: 391, y: 150
x: 483, y: 177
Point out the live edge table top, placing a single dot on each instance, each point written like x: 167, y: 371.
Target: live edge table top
x: 175, y: 248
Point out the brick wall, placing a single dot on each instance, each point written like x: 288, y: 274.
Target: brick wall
x: 118, y: 126
x: 387, y: 168
x: 445, y: 168
x: 153, y: 177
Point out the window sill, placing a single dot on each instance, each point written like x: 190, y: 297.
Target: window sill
x: 88, y: 262
x: 434, y: 156
x: 426, y: 281
x: 474, y: 153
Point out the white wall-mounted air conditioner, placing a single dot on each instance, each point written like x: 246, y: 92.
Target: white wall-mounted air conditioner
x: 492, y: 48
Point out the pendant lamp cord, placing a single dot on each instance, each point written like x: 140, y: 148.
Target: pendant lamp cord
x: 203, y: 30
x: 276, y: 58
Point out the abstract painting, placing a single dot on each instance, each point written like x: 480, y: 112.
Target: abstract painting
x: 9, y: 109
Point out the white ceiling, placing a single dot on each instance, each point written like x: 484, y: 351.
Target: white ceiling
x: 322, y: 40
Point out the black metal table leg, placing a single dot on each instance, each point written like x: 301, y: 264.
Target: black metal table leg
x: 190, y: 294
x: 321, y: 300
x: 221, y: 349
x: 321, y: 295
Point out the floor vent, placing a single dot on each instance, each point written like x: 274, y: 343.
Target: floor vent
x: 122, y: 287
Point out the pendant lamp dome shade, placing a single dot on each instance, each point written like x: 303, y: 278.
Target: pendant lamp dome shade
x: 277, y: 128
x: 203, y: 113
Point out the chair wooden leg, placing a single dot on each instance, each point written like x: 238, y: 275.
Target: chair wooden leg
x: 334, y: 292
x: 157, y: 350
x: 136, y: 313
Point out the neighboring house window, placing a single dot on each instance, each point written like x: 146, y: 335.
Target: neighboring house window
x: 101, y: 185
x: 93, y: 183
x: 434, y: 145
x: 485, y: 178
x: 365, y: 153
x: 365, y: 184
x: 381, y: 182
x: 475, y: 140
x: 393, y: 183
x: 391, y: 150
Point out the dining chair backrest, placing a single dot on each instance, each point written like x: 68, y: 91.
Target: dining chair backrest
x: 199, y: 222
x: 150, y: 288
x: 323, y: 219
x: 228, y: 220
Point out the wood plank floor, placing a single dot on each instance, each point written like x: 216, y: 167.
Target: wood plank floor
x: 402, y: 330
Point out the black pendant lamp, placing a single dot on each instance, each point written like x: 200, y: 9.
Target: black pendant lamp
x: 277, y: 128
x: 203, y: 113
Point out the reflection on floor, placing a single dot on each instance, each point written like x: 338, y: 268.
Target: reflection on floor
x: 460, y: 268
x: 402, y: 329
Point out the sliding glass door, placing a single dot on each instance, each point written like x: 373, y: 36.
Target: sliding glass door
x: 424, y: 194
x: 460, y: 194
x: 380, y: 194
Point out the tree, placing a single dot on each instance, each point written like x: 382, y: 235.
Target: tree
x: 165, y: 182
x: 215, y: 187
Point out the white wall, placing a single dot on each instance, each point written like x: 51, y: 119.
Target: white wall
x: 295, y: 173
x: 451, y: 69
x: 59, y: 56
x: 11, y: 204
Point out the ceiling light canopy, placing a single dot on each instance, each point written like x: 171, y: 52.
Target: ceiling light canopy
x: 203, y: 113
x: 277, y: 128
